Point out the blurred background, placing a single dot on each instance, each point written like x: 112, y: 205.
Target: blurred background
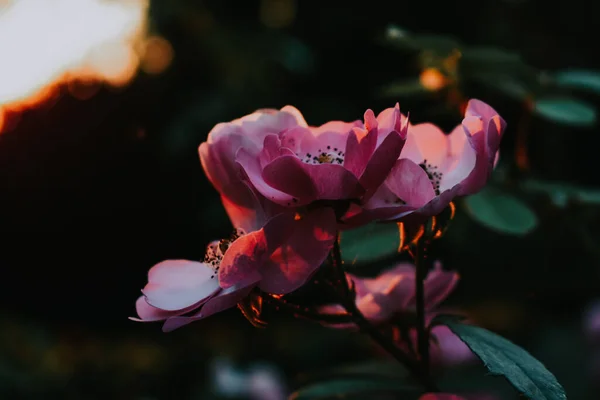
x: 104, y: 103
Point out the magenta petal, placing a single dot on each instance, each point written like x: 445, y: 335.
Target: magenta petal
x: 382, y: 206
x: 410, y: 183
x: 311, y: 182
x: 177, y: 284
x: 449, y: 349
x: 217, y: 156
x: 224, y: 300
x: 360, y: 149
x: 288, y: 175
x: 252, y: 167
x: 358, y: 152
x: 483, y: 167
x: 296, y: 260
x: 439, y: 203
x: 240, y: 266
x: 461, y: 160
x: 248, y: 215
x: 391, y: 119
x: 272, y: 149
x: 438, y: 285
x: 485, y: 129
x: 147, y: 313
x: 240, y: 263
x: 380, y: 163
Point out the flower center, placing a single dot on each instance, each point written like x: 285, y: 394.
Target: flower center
x: 216, y: 250
x: 327, y: 155
x: 433, y: 174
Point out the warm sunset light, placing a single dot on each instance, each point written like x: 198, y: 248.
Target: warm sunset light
x: 432, y: 79
x: 44, y: 43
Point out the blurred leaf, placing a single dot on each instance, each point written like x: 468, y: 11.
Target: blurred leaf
x: 506, y: 84
x: 405, y: 88
x: 440, y: 44
x: 581, y: 79
x: 504, y: 358
x: 561, y: 192
x: 490, y: 56
x: 501, y: 212
x: 566, y: 110
x: 357, y: 388
x: 370, y: 242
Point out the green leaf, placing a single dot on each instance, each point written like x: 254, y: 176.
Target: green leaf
x: 370, y: 242
x: 491, y: 58
x: 580, y: 79
x: 504, y: 358
x: 501, y: 212
x: 364, y: 388
x: 507, y: 84
x: 566, y: 110
x: 561, y: 192
x: 440, y: 44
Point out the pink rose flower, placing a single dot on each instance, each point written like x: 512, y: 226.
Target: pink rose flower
x: 433, y: 167
x: 393, y: 292
x: 277, y: 258
x: 292, y: 164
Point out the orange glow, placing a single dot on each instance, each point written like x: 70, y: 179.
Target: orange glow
x: 158, y: 55
x: 432, y: 79
x: 44, y: 44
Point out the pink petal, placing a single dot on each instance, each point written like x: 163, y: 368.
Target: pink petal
x: 439, y: 203
x: 339, y: 128
x: 390, y: 292
x: 224, y: 300
x: 177, y: 284
x: 382, y: 206
x: 272, y: 149
x: 391, y: 119
x: 380, y: 163
x: 267, y: 121
x: 449, y: 350
x: 288, y: 175
x: 461, y: 159
x: 299, y: 140
x: 303, y: 252
x: 251, y: 165
x: 480, y: 109
x: 147, y: 313
x: 438, y: 285
x: 426, y: 142
x: 484, y: 128
x: 297, y: 114
x: 217, y: 156
x: 479, y: 174
x: 309, y: 182
x: 248, y: 215
x: 358, y: 152
x: 241, y: 263
x: 410, y: 183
